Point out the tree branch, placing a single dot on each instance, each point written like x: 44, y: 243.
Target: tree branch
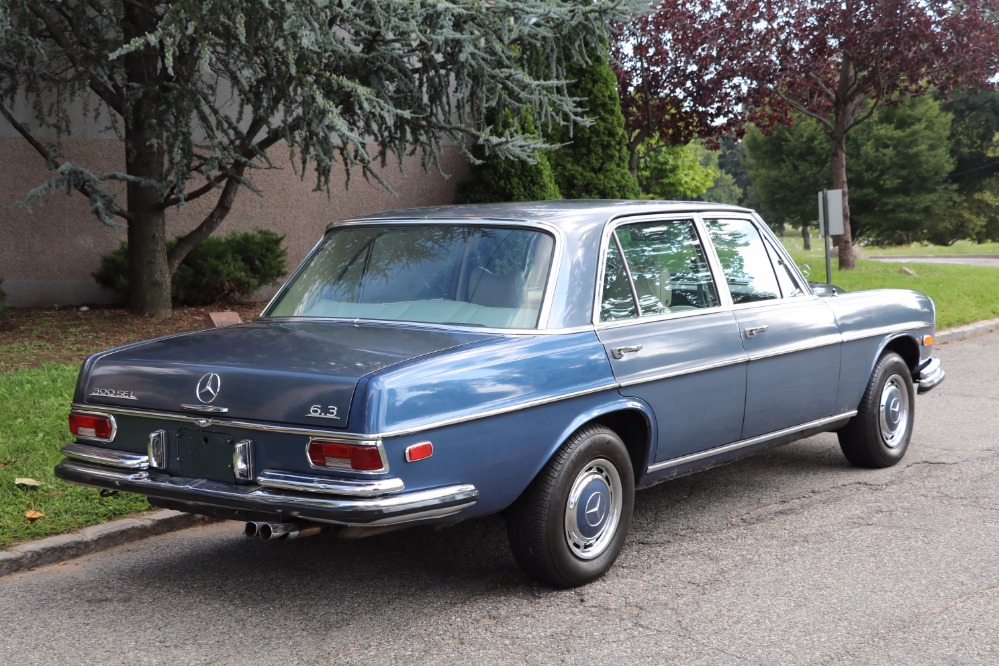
x: 233, y: 180
x: 801, y: 108
x: 53, y: 163
x: 110, y: 96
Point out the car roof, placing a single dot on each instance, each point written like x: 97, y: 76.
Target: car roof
x: 562, y: 213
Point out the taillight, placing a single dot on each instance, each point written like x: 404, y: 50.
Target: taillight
x: 346, y: 456
x: 92, y: 426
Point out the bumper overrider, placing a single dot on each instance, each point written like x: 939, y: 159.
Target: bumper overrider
x: 929, y: 375
x: 291, y: 496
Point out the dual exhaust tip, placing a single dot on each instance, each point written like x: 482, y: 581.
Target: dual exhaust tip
x: 276, y: 531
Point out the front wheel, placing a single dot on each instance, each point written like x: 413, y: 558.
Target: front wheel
x: 569, y: 525
x: 878, y: 435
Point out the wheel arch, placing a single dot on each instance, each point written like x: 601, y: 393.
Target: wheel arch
x: 906, y: 347
x: 632, y: 420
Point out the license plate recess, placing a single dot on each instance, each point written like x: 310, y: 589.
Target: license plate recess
x: 202, y: 454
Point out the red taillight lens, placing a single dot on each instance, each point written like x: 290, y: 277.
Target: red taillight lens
x: 340, y: 455
x: 91, y: 426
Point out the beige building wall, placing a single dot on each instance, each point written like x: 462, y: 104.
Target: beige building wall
x: 48, y: 252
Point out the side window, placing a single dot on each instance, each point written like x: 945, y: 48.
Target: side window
x: 667, y: 266
x: 744, y: 259
x: 788, y: 282
x: 617, y: 302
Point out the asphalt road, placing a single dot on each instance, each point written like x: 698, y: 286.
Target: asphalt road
x: 790, y: 557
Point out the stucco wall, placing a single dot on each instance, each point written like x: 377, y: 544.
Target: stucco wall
x: 47, y: 253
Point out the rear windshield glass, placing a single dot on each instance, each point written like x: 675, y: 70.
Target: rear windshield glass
x: 466, y: 275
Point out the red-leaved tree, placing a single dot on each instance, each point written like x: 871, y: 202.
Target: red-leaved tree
x: 712, y: 65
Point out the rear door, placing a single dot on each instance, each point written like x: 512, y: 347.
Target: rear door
x: 670, y: 342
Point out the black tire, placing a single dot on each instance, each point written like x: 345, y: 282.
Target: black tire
x: 878, y: 436
x: 569, y: 525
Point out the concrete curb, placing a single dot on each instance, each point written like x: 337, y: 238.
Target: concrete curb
x: 969, y: 331
x: 101, y: 537
x: 93, y: 539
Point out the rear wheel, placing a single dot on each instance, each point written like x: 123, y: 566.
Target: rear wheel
x: 568, y: 527
x: 878, y: 435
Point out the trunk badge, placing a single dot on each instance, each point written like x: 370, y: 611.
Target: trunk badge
x: 208, y: 387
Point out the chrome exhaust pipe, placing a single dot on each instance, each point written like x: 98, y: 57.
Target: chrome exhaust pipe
x: 275, y: 531
x: 252, y: 529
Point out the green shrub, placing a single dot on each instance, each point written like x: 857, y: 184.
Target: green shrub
x: 499, y: 179
x: 217, y: 269
x: 594, y: 162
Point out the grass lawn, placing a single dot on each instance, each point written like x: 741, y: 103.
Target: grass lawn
x: 40, y: 355
x: 33, y: 408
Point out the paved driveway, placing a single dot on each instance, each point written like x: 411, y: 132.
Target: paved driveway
x: 966, y: 259
x: 791, y: 557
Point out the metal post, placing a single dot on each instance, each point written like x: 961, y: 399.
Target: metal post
x: 825, y: 234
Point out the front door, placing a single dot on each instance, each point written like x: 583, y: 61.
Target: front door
x: 668, y: 339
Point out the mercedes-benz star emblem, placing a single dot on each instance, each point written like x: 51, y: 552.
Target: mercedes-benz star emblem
x: 595, y: 510
x: 208, y: 387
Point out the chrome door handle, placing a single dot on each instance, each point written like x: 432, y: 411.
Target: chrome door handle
x: 619, y: 352
x: 753, y: 330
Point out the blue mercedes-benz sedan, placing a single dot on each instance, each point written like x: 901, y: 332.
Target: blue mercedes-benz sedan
x: 542, y: 360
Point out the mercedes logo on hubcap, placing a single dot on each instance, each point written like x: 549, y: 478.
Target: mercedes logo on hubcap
x: 596, y: 509
x: 208, y: 387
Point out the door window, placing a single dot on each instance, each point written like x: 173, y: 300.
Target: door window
x: 664, y: 267
x: 745, y: 263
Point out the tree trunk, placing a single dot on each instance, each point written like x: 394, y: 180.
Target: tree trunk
x: 806, y: 238
x: 148, y: 272
x: 844, y: 242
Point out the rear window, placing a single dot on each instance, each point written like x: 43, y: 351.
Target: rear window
x: 445, y: 274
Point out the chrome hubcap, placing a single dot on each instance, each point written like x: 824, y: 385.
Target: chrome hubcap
x: 593, y: 510
x: 894, y: 412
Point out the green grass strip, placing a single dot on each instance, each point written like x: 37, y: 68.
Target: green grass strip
x: 33, y: 409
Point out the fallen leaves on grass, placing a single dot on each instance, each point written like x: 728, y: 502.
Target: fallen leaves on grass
x: 26, y: 482
x: 33, y: 515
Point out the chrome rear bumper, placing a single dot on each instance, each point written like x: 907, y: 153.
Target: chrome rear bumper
x: 292, y: 496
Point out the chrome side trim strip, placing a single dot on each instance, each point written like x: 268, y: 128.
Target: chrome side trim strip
x: 815, y: 343
x: 852, y: 336
x: 732, y: 360
x: 206, y: 422
x: 317, y: 484
x: 497, y: 411
x: 694, y: 457
x: 102, y: 456
x: 355, y: 437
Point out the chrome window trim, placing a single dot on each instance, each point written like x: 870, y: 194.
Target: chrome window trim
x: 551, y: 284
x: 376, y: 443
x: 619, y: 323
x: 270, y: 478
x: 85, y: 410
x: 694, y: 457
x: 102, y: 456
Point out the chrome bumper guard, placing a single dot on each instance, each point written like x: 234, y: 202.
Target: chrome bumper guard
x: 335, y: 501
x: 930, y: 374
